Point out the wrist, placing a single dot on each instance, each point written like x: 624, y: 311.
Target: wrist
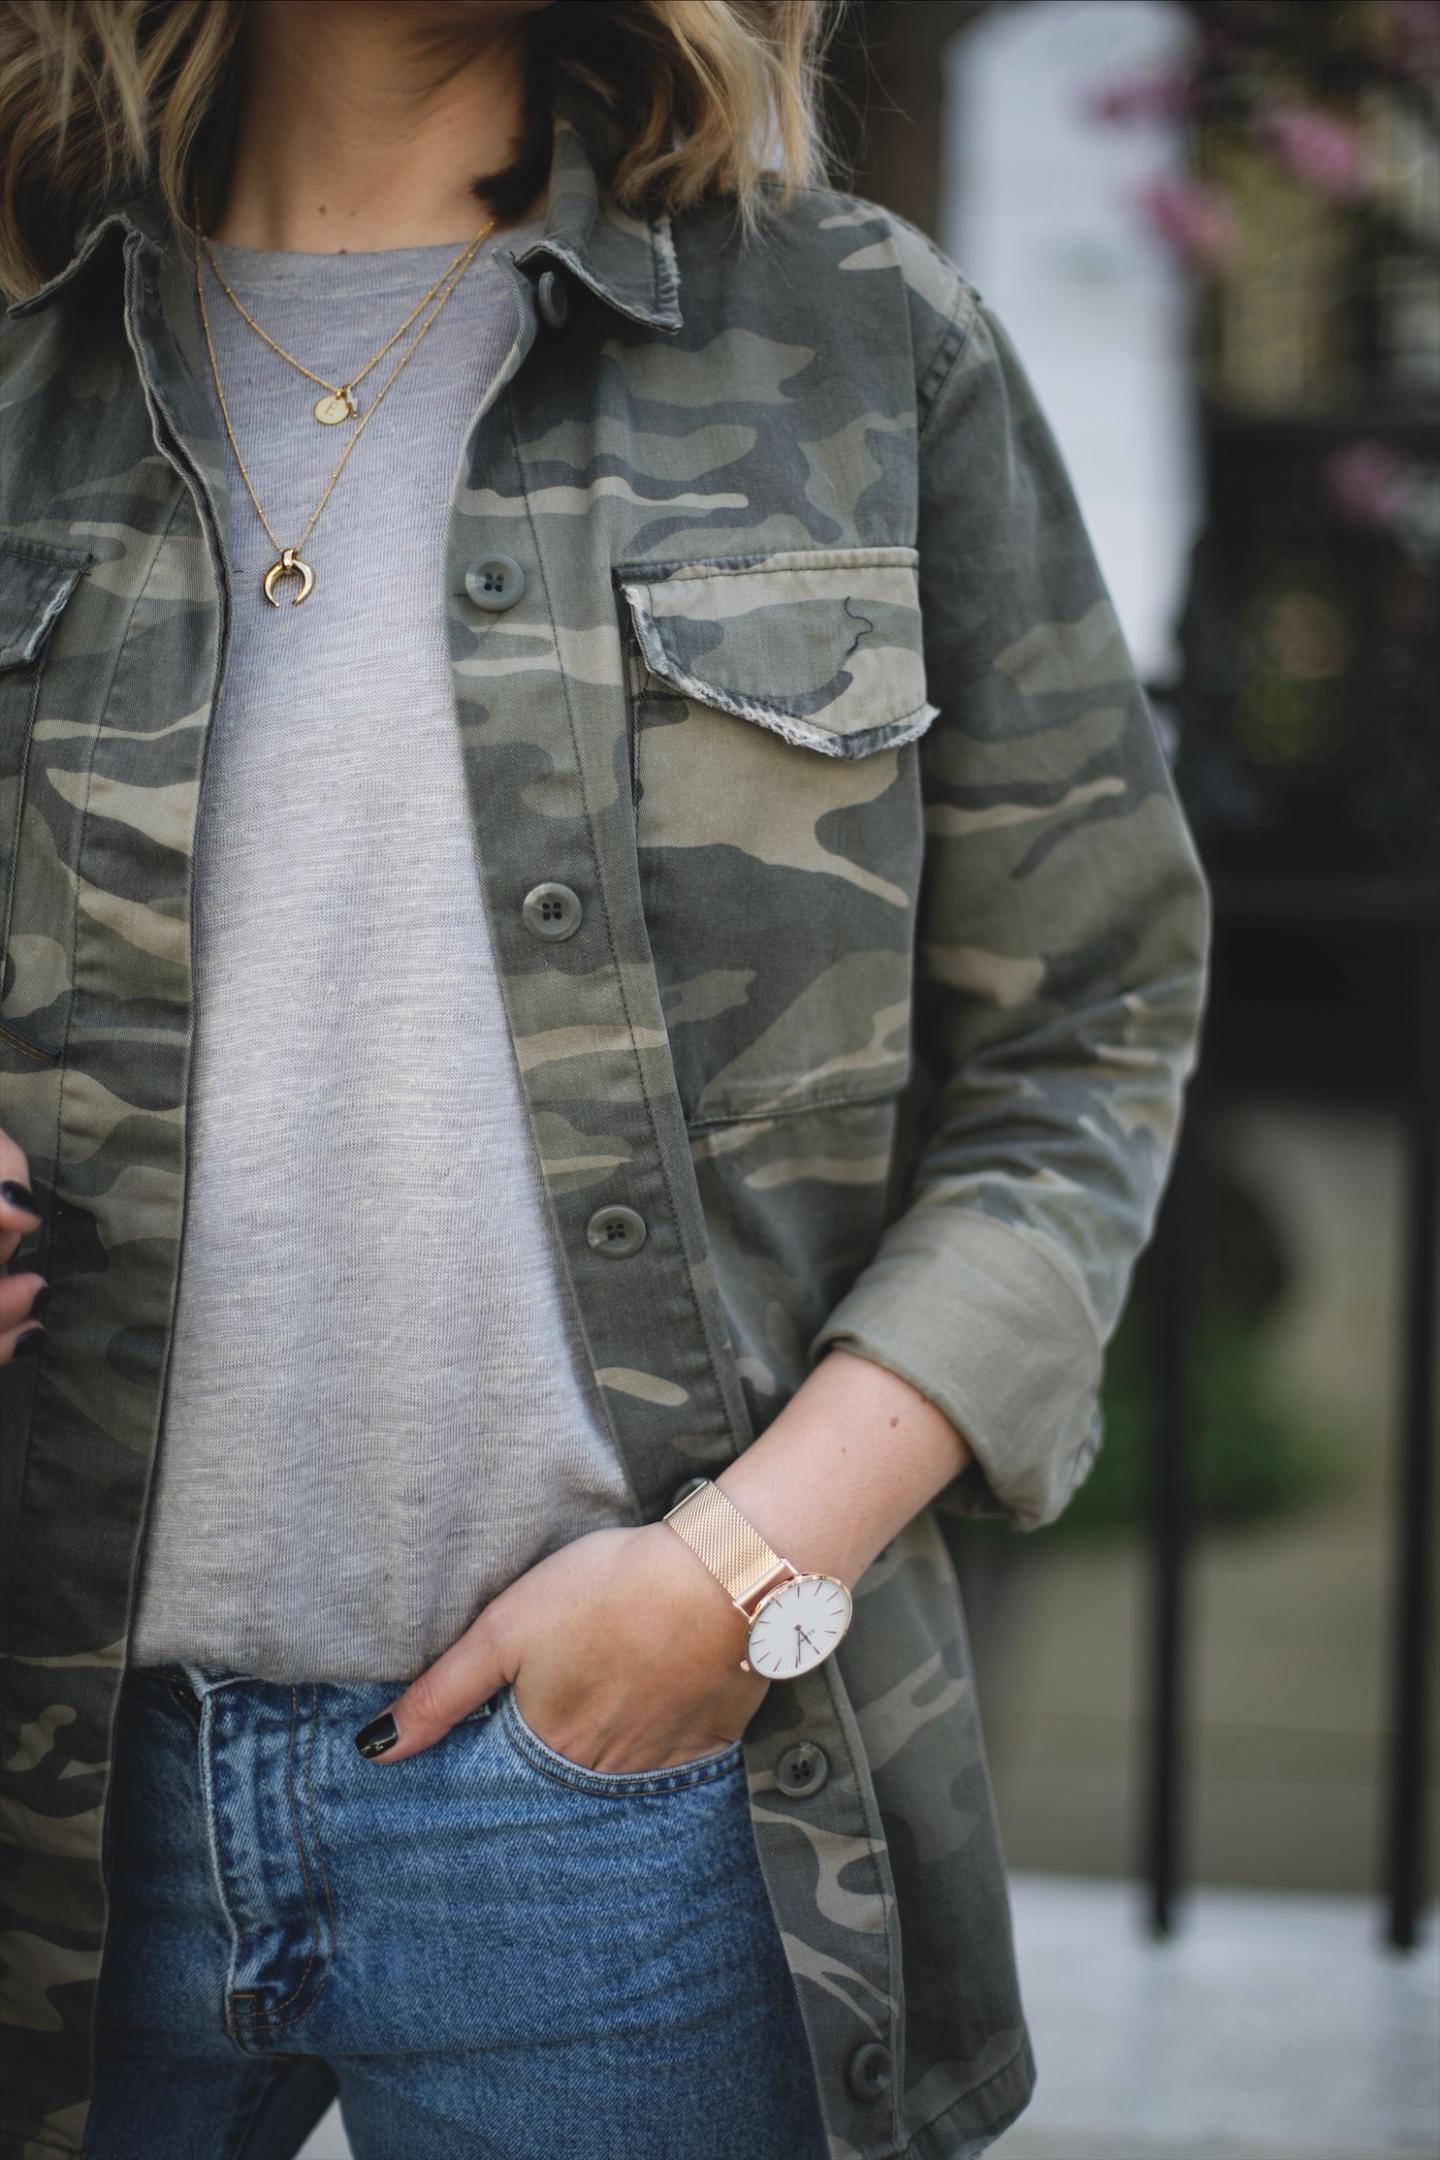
x: 699, y: 1599
x: 794, y: 1616
x: 813, y: 1542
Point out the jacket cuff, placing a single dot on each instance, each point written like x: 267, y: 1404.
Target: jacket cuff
x: 975, y: 1315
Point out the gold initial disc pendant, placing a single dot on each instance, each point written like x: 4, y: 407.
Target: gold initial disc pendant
x: 335, y: 406
x: 289, y: 565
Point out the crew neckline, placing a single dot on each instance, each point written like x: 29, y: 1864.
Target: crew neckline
x: 322, y: 273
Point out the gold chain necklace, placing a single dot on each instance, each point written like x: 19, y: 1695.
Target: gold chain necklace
x: 289, y: 562
x: 339, y: 400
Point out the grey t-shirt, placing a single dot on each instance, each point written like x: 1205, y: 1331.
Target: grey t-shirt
x: 380, y: 1410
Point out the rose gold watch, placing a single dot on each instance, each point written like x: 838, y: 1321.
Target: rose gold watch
x: 796, y: 1619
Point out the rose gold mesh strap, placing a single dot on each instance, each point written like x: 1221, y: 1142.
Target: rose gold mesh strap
x: 730, y: 1546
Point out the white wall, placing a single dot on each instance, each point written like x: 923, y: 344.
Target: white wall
x: 1035, y: 212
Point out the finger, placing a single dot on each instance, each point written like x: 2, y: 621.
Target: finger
x: 466, y: 1675
x: 21, y: 1298
x: 19, y: 1212
x: 21, y: 1342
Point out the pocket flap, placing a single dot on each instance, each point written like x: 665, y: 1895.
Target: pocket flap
x: 821, y: 645
x: 36, y: 580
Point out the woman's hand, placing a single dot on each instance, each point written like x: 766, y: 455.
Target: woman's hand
x: 623, y: 1650
x: 21, y: 1296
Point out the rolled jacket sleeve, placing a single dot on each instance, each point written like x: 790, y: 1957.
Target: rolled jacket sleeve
x: 1061, y: 965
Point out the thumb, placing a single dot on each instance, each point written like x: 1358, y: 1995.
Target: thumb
x: 463, y: 1677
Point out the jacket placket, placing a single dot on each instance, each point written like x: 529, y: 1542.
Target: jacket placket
x: 545, y: 733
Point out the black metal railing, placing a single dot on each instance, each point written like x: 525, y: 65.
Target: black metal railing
x: 1406, y: 912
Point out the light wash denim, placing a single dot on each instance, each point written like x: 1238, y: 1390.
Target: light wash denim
x: 487, y: 1950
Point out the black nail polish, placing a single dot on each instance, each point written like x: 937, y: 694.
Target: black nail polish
x: 379, y: 1736
x: 27, y: 1345
x: 14, y: 1194
x: 39, y: 1303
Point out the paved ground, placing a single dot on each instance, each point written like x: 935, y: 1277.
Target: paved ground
x: 1270, y: 2027
x: 329, y: 2142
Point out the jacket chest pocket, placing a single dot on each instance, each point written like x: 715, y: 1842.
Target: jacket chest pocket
x: 778, y: 820
x: 36, y: 583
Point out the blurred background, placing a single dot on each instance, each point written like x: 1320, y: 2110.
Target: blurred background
x: 1213, y: 230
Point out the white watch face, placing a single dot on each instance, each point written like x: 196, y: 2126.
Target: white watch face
x: 798, y: 1625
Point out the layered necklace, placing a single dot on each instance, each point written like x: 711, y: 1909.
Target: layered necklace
x: 338, y: 404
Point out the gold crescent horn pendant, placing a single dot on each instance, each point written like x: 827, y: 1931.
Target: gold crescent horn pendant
x: 289, y: 565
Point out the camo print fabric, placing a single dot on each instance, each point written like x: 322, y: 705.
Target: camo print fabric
x: 888, y: 979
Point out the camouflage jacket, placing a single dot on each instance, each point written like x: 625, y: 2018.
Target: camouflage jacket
x: 881, y: 958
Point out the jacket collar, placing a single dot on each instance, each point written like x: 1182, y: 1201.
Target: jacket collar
x: 628, y: 261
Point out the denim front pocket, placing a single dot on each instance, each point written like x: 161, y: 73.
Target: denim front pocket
x: 704, y: 1770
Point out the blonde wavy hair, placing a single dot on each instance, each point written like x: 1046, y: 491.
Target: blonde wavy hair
x: 98, y: 97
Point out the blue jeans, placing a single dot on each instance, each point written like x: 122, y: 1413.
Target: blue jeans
x: 486, y: 1950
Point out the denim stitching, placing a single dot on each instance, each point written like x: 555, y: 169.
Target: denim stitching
x: 311, y: 1811
x: 637, y: 1783
x: 276, y: 2015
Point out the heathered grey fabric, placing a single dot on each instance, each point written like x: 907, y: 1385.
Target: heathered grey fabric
x: 379, y: 1411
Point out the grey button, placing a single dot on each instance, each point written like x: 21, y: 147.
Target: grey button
x: 552, y: 911
x: 802, y: 1770
x: 553, y: 298
x: 870, y: 2071
x: 495, y: 583
x: 616, y: 1231
x: 682, y: 1492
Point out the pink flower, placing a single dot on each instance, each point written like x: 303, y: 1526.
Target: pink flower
x: 1157, y: 94
x: 1415, y: 34
x: 1189, y: 216
x: 1328, y: 154
x: 1367, y: 484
